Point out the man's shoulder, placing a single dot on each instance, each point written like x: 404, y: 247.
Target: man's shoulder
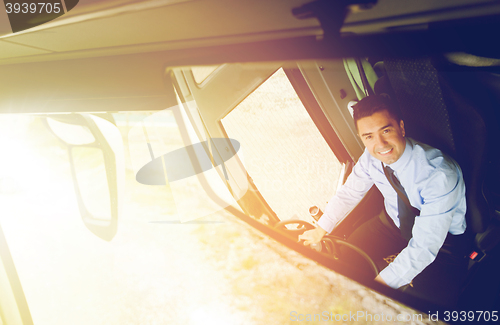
x: 367, y: 160
x: 432, y: 160
x: 369, y: 166
x: 428, y: 153
x: 422, y: 148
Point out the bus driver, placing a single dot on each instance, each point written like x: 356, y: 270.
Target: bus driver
x: 424, y: 199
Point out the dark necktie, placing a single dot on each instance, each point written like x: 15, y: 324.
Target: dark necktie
x: 406, y: 212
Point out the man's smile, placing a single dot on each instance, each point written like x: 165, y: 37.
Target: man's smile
x: 386, y: 152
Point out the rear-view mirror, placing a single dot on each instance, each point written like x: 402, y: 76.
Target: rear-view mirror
x: 95, y: 150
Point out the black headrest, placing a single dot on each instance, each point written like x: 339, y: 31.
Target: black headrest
x: 437, y: 114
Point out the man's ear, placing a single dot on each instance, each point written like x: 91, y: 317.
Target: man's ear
x: 402, y: 126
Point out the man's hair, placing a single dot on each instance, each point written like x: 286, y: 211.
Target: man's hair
x: 373, y: 104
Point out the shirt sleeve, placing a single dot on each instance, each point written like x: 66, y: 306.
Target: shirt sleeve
x: 348, y: 195
x: 442, y: 195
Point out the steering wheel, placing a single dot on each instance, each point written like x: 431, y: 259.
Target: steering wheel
x: 329, y: 243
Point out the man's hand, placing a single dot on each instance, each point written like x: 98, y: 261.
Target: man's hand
x: 312, y: 236
x: 379, y: 279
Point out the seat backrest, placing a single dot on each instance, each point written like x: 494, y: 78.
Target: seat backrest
x: 437, y: 114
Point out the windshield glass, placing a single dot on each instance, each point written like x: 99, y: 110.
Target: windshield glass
x: 176, y: 257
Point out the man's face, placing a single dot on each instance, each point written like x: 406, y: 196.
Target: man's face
x: 383, y: 136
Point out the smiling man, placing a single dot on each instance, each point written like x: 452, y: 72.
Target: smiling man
x: 424, y: 199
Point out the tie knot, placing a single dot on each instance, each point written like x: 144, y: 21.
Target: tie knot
x: 389, y: 170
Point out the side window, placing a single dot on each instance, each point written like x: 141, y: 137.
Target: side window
x: 289, y: 161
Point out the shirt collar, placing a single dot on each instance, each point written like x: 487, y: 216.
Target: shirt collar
x: 404, y: 159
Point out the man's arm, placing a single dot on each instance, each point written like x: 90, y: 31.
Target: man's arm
x: 347, y: 197
x: 443, y: 196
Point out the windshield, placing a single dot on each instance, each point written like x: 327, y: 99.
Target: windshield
x: 212, y: 269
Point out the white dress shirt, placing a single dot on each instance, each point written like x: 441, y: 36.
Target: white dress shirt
x: 434, y: 185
